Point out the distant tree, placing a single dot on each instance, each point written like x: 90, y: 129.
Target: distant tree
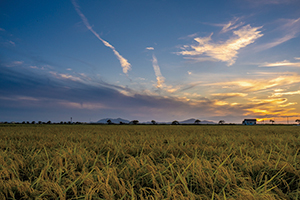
x: 27, y: 122
x: 121, y: 123
x: 135, y: 122
x: 297, y: 120
x: 49, y: 122
x: 33, y: 122
x: 153, y: 122
x: 175, y: 122
x: 271, y: 120
x: 221, y: 122
x: 23, y: 122
x: 40, y: 122
x: 109, y: 121
x: 61, y: 122
x: 197, y: 121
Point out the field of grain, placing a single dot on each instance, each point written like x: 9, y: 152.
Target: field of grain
x: 149, y: 162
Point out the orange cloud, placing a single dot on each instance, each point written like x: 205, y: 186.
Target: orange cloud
x: 278, y: 94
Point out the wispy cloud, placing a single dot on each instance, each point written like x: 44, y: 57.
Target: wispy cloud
x: 65, y: 76
x: 280, y: 94
x: 229, y: 95
x: 14, y: 63
x: 281, y: 64
x: 160, y: 79
x: 231, y: 25
x: 249, y: 85
x: 12, y: 43
x: 289, y: 28
x: 149, y: 48
x: 288, y: 104
x: 17, y: 62
x: 188, y: 36
x: 223, y: 51
x: 276, y: 42
x: 200, y: 59
x: 124, y: 63
x: 86, y: 105
x: 1, y: 29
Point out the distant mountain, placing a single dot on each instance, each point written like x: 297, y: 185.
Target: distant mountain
x: 118, y: 120
x: 115, y: 121
x: 192, y: 121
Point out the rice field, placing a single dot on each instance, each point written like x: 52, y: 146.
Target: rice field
x: 149, y: 162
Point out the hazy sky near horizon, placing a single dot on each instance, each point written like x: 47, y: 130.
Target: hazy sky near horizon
x: 162, y: 59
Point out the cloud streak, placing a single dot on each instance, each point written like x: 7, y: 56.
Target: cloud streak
x: 223, y: 51
x: 124, y: 63
x: 231, y: 25
x: 159, y: 77
x: 248, y: 85
x: 281, y: 64
x: 280, y: 94
x: 290, y: 29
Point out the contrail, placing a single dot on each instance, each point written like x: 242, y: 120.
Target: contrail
x: 160, y: 79
x: 124, y: 63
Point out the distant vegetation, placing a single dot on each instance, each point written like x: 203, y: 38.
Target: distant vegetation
x: 149, y: 162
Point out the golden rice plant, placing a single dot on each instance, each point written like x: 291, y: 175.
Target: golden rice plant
x: 149, y: 162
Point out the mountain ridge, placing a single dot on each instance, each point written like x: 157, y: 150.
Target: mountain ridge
x: 118, y: 120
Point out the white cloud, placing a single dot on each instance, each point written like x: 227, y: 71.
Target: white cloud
x: 160, y: 79
x: 289, y: 28
x: 189, y: 73
x: 297, y: 58
x: 124, y: 63
x: 65, y: 76
x: 188, y: 36
x: 276, y: 42
x: 149, y: 48
x: 281, y: 64
x: 231, y: 25
x: 224, y: 51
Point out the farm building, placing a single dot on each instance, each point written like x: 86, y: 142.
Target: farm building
x: 249, y: 122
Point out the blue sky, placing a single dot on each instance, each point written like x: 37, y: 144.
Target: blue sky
x: 163, y: 60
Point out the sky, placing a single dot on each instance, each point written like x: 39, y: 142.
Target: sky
x: 159, y: 60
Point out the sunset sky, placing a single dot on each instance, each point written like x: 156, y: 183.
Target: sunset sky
x: 163, y: 59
